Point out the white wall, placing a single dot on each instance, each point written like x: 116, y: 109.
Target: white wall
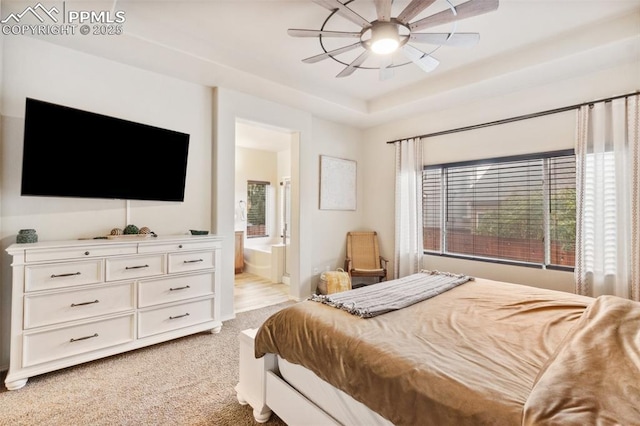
x: 45, y: 71
x: 537, y: 135
x: 37, y: 69
x: 331, y: 226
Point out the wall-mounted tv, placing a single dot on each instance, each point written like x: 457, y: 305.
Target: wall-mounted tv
x: 73, y: 153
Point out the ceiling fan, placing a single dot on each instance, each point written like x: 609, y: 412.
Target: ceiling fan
x: 387, y: 35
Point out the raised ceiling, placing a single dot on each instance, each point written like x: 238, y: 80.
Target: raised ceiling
x: 243, y: 45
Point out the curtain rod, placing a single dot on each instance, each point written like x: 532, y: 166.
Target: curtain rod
x: 517, y: 118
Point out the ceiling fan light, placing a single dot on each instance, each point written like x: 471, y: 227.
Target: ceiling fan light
x: 384, y: 38
x: 384, y: 46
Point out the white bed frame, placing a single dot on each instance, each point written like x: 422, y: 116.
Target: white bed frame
x: 310, y: 401
x: 261, y: 386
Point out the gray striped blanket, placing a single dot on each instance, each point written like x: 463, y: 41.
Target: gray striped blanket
x: 380, y: 298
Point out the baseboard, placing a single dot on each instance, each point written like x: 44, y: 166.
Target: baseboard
x: 229, y: 317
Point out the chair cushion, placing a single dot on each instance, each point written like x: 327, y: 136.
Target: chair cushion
x: 368, y: 271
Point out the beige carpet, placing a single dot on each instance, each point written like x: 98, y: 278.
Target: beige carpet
x: 188, y: 381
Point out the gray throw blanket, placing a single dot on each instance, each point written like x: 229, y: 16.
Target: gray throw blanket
x: 380, y: 298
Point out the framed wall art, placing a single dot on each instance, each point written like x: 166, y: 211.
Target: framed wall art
x: 337, y: 183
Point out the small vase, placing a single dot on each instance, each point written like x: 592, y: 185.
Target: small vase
x: 27, y: 236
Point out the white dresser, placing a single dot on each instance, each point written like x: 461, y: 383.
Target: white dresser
x: 76, y: 301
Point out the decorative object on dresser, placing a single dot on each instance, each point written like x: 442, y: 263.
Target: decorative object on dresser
x: 77, y: 301
x: 129, y: 232
x: 117, y: 231
x: 26, y: 236
x: 131, y: 229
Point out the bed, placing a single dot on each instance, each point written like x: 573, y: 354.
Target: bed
x: 481, y: 353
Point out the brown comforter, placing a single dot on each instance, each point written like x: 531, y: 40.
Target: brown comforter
x: 593, y: 378
x: 469, y: 356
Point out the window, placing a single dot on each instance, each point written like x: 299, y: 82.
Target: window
x: 517, y: 209
x: 257, y: 202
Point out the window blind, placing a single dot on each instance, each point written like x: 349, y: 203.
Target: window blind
x: 257, y: 201
x: 431, y: 208
x: 518, y: 209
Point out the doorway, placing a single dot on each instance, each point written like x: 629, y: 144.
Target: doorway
x: 263, y: 215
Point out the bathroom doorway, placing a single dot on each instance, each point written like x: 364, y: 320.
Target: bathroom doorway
x: 263, y: 180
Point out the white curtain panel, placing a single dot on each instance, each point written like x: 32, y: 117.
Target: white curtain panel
x: 607, y: 204
x: 408, y: 232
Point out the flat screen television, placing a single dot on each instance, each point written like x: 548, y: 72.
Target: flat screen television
x: 73, y: 153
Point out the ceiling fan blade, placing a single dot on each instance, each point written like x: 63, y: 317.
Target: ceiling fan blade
x: 465, y: 10
x: 315, y: 33
x: 386, y: 72
x: 318, y: 58
x: 356, y: 63
x: 447, y: 39
x: 383, y: 9
x: 344, y: 11
x: 413, y: 9
x: 421, y: 59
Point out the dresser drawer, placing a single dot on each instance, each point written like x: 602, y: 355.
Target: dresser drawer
x: 49, y: 276
x: 53, y: 308
x: 43, y: 255
x: 172, y: 289
x: 174, y: 317
x: 125, y: 268
x: 78, y: 339
x: 192, y: 261
x: 190, y: 245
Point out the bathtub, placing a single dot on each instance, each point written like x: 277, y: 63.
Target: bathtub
x: 266, y: 261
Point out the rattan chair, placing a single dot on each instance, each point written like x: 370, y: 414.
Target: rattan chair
x: 363, y: 256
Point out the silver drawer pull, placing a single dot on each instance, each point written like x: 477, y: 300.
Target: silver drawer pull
x: 85, y: 303
x: 193, y: 261
x: 179, y: 288
x: 83, y: 338
x: 137, y: 267
x: 65, y: 275
x: 179, y: 316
